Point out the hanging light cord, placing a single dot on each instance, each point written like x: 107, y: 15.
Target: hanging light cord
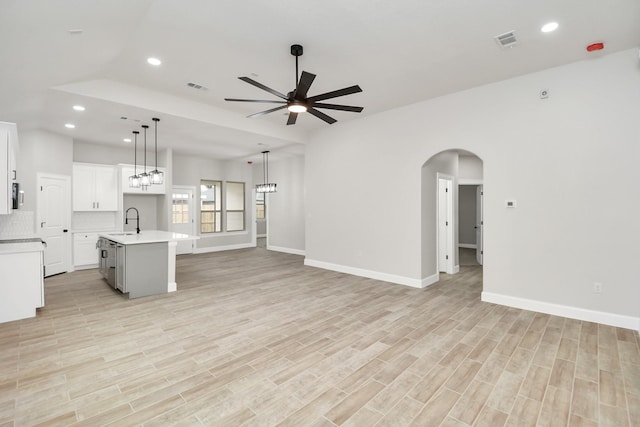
x: 156, y: 140
x: 145, y: 147
x: 135, y: 152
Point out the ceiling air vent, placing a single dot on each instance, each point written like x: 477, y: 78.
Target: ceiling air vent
x: 197, y: 86
x: 507, y: 39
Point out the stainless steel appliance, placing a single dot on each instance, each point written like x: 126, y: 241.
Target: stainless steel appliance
x: 108, y: 257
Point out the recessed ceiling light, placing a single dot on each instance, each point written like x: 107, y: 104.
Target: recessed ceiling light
x: 78, y: 108
x: 127, y: 140
x: 154, y: 61
x: 549, y: 27
x: 70, y: 126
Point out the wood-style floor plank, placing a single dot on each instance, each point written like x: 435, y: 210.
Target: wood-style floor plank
x: 255, y: 338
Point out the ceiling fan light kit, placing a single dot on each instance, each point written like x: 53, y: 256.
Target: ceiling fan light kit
x: 297, y: 101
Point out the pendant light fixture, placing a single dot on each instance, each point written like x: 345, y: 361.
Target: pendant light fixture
x: 134, y: 180
x: 266, y: 186
x: 156, y: 176
x: 145, y: 180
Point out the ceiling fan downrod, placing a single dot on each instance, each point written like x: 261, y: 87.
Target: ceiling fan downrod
x: 296, y: 50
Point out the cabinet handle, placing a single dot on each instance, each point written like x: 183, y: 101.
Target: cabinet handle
x: 98, y: 205
x: 15, y: 175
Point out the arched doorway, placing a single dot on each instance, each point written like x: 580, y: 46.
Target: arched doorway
x: 440, y: 236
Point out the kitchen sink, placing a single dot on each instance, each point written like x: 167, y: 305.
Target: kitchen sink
x: 122, y: 234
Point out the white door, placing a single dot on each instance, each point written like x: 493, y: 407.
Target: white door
x: 54, y: 217
x: 445, y: 225
x: 479, y: 224
x: 183, y: 216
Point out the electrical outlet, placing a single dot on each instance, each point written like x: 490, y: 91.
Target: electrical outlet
x: 597, y: 288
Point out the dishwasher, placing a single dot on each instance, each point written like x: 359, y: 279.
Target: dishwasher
x: 108, y: 260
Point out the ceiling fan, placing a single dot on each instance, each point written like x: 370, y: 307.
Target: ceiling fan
x: 297, y: 101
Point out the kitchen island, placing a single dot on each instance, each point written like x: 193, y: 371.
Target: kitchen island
x: 140, y: 264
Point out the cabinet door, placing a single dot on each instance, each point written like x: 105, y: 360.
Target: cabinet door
x: 106, y: 189
x: 83, y: 188
x: 84, y: 249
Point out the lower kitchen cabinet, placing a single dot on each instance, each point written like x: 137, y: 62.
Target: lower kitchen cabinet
x: 22, y: 285
x: 85, y: 252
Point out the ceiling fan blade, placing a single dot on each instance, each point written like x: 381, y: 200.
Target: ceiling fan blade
x: 321, y: 115
x: 255, y: 100
x: 338, y: 107
x: 303, y: 85
x: 336, y: 93
x: 263, y: 87
x: 292, y: 118
x: 267, y: 111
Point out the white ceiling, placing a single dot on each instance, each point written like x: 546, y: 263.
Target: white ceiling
x: 400, y: 52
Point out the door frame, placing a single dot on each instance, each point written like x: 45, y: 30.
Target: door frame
x: 68, y: 265
x: 192, y: 212
x: 445, y: 242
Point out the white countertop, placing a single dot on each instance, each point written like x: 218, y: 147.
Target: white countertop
x: 13, y: 248
x: 146, y: 236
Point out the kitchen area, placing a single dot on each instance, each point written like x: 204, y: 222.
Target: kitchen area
x: 90, y: 219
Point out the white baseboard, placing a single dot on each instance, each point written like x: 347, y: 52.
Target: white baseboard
x: 286, y: 250
x: 401, y: 280
x: 468, y: 245
x: 428, y: 281
x: 577, y: 313
x: 208, y: 249
x: 456, y: 269
x: 84, y: 267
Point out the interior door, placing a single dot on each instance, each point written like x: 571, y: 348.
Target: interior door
x: 445, y: 225
x: 54, y: 217
x: 479, y: 224
x: 183, y: 216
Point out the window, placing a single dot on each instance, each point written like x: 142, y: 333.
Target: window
x: 180, y: 208
x: 210, y: 206
x: 235, y: 206
x: 260, y: 206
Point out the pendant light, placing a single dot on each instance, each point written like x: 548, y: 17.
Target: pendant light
x: 145, y: 180
x: 266, y: 186
x: 134, y: 180
x: 156, y: 176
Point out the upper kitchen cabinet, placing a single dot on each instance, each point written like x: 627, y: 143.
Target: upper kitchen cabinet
x: 8, y: 173
x: 95, y: 187
x: 127, y: 170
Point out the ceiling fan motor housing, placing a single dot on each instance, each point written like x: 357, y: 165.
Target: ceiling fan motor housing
x: 296, y: 50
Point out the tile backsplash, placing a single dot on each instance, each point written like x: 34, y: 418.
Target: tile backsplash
x: 17, y: 225
x: 94, y: 221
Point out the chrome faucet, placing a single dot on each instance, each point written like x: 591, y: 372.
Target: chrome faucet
x: 137, y: 218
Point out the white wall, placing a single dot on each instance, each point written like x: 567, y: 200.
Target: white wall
x: 41, y: 151
x: 569, y: 160
x: 470, y: 168
x: 286, y: 207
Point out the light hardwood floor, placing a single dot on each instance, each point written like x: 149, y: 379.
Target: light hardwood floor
x: 255, y: 338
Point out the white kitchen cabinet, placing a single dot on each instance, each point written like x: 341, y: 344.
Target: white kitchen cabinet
x: 95, y: 187
x: 127, y: 170
x: 85, y: 251
x: 8, y: 173
x: 22, y: 285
